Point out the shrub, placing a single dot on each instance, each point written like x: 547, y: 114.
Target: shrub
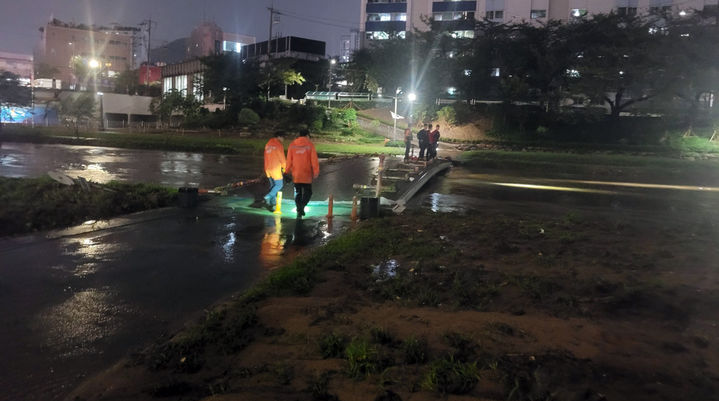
x: 316, y: 125
x: 247, y: 117
x: 448, y: 114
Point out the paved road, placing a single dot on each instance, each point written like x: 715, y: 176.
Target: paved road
x: 75, y: 301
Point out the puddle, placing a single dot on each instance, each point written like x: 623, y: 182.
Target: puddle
x: 386, y: 270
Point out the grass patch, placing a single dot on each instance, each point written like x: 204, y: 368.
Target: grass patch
x: 362, y: 358
x: 33, y: 204
x: 450, y: 376
x: 415, y: 350
x: 332, y: 345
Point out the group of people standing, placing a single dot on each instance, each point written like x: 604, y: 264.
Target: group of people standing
x: 301, y: 165
x: 428, y: 140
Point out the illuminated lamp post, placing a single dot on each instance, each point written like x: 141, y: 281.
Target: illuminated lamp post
x: 329, y: 84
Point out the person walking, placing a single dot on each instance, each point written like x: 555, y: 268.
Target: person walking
x: 407, y: 142
x: 303, y: 165
x: 433, y: 143
x: 275, y: 165
x: 423, y: 139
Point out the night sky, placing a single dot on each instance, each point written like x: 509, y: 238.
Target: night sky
x: 325, y: 20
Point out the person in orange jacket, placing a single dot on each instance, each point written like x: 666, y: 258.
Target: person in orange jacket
x: 303, y: 165
x: 275, y: 165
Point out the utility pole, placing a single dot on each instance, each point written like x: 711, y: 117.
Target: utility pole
x: 269, y: 44
x: 149, y: 23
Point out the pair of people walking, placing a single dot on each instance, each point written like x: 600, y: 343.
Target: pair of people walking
x: 301, y: 163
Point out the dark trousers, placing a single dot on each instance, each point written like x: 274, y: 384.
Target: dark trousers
x: 431, y: 151
x: 303, y: 193
x: 407, y: 147
x: 422, y: 149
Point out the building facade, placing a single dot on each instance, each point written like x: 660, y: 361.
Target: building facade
x: 18, y: 64
x: 286, y: 47
x: 205, y: 40
x: 104, y: 51
x: 384, y: 19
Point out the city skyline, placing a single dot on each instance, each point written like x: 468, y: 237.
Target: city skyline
x: 314, y: 19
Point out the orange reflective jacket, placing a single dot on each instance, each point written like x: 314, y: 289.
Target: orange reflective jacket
x: 275, y: 163
x: 302, y: 161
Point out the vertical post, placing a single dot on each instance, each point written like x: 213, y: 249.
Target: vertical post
x: 380, y: 168
x: 278, y: 205
x: 394, y: 118
x: 330, y: 206
x: 353, y: 214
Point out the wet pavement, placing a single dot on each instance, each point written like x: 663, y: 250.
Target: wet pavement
x: 73, y: 302
x: 463, y: 190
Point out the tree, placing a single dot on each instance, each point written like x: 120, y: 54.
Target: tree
x: 172, y: 103
x: 127, y: 82
x: 622, y: 61
x: 231, y: 79
x: 78, y: 108
x: 278, y: 72
x: 693, y: 69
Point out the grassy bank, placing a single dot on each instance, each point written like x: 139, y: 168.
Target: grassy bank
x: 327, y: 143
x: 39, y: 204
x: 482, y: 306
x: 597, y: 165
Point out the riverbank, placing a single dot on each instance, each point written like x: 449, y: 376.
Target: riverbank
x: 35, y: 204
x: 327, y: 144
x: 486, y: 305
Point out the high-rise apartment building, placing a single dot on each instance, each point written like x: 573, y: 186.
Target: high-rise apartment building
x: 106, y: 51
x: 384, y: 19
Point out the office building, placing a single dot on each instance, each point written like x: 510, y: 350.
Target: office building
x: 384, y: 19
x: 105, y: 51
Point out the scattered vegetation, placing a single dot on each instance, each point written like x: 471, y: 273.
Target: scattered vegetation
x: 33, y: 204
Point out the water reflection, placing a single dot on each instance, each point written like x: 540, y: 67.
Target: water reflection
x: 272, y: 246
x: 76, y: 326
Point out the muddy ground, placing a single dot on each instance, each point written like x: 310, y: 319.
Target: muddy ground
x: 473, y: 306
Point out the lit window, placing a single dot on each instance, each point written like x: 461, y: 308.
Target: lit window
x: 578, y: 12
x: 462, y: 34
x: 385, y: 17
x: 538, y: 14
x: 197, y: 84
x: 181, y: 83
x: 572, y: 73
x: 467, y: 73
x: 167, y: 85
x: 495, y: 72
x: 228, y: 46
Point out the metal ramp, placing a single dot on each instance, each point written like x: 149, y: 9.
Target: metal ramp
x: 397, y: 181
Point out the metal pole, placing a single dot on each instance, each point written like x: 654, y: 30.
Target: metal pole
x: 394, y: 118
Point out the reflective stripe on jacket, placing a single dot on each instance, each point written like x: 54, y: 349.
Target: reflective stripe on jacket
x: 275, y: 162
x: 302, y: 161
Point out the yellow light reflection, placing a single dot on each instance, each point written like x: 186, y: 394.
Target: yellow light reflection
x: 272, y: 248
x: 553, y: 188
x: 492, y: 179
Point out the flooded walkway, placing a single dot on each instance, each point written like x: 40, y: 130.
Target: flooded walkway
x: 75, y: 301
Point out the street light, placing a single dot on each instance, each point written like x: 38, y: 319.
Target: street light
x: 394, y: 115
x: 329, y: 84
